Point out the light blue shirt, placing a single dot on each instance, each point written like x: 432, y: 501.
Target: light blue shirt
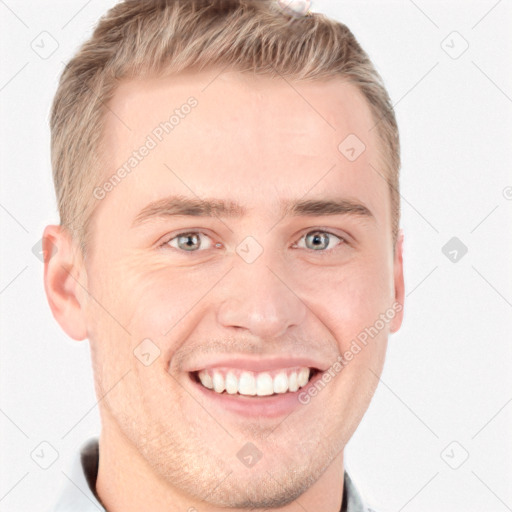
x: 79, y: 492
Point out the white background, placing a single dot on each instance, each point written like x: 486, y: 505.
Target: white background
x: 448, y: 371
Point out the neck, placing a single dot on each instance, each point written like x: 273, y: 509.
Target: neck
x: 127, y: 483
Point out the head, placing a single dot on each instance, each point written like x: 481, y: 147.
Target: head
x: 227, y: 182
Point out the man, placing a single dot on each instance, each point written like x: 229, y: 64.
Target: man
x: 227, y: 179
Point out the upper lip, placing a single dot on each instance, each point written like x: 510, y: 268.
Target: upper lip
x: 257, y: 364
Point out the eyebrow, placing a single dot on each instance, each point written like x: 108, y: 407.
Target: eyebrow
x: 185, y: 206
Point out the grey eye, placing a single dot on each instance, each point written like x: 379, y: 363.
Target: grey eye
x: 319, y: 240
x: 190, y: 242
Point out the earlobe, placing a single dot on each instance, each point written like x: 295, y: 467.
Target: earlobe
x: 62, y: 273
x: 398, y: 304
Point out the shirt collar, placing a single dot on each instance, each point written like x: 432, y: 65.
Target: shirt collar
x: 79, y: 492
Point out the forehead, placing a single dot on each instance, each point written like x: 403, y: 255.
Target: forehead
x: 257, y: 138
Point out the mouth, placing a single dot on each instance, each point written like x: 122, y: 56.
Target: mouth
x: 254, y: 395
x: 237, y: 382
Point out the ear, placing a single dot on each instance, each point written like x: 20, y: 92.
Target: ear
x: 398, y: 273
x: 63, y: 276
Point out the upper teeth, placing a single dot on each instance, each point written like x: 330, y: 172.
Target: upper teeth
x: 250, y: 383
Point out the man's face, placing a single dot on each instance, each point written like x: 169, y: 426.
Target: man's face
x: 248, y: 290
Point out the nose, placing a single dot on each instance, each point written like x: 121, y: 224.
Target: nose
x: 260, y: 299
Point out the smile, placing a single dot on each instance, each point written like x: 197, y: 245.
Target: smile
x: 234, y: 381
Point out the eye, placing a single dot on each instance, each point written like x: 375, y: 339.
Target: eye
x: 319, y: 241
x: 191, y: 241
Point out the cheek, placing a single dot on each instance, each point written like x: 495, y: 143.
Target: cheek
x: 160, y: 301
x: 347, y: 299
x: 165, y: 295
x: 134, y: 289
x: 353, y: 303
x: 126, y: 307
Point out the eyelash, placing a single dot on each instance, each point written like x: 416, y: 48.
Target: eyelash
x: 343, y: 241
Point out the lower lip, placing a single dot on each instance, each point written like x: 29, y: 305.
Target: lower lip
x: 272, y: 406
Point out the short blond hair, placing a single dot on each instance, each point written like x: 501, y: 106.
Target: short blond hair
x: 138, y: 38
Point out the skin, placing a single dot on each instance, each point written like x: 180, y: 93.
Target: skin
x: 256, y: 141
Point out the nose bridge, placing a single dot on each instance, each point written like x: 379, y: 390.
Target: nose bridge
x: 256, y: 297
